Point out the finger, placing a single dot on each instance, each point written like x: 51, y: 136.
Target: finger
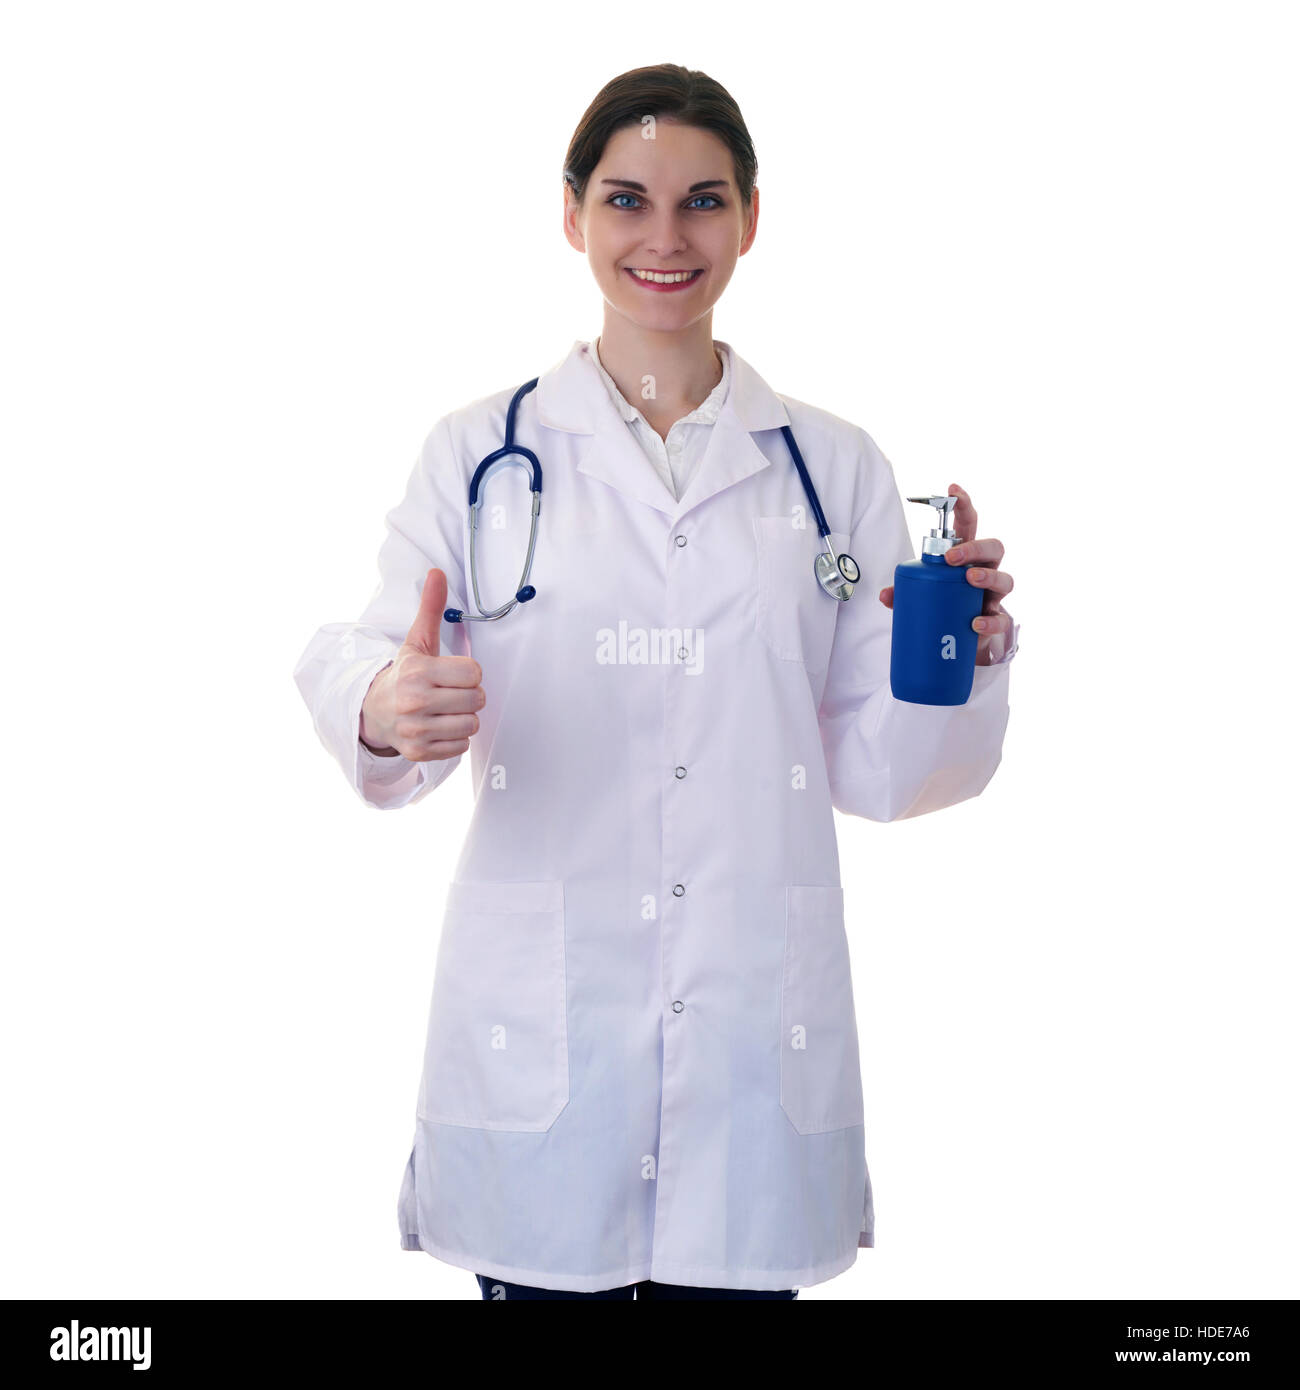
x: 439, y: 751
x: 423, y: 635
x: 421, y: 732
x: 447, y: 670
x: 887, y: 596
x: 965, y: 521
x: 456, y: 699
x: 989, y: 551
x: 987, y: 624
x: 452, y: 728
x: 996, y: 581
x: 434, y: 700
x: 418, y: 698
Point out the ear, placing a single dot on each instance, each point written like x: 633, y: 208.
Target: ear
x: 748, y: 239
x: 572, y: 221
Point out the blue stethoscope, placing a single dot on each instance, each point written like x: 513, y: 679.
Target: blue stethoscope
x: 837, y: 574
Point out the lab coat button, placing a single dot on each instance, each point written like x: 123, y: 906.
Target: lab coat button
x: 682, y: 653
x: 678, y: 890
x: 678, y: 1006
x: 681, y: 540
x: 679, y: 773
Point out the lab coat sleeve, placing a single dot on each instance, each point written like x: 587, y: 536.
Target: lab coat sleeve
x: 888, y: 759
x: 338, y: 664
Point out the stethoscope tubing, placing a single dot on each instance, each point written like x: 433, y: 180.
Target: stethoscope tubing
x: 510, y: 452
x: 823, y: 530
x: 845, y: 567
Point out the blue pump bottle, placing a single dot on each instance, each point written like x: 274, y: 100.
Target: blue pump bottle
x: 932, y: 654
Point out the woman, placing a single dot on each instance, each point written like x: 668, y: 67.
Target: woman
x: 641, y: 1070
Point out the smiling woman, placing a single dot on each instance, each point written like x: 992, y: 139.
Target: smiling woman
x: 660, y: 196
x: 641, y: 1072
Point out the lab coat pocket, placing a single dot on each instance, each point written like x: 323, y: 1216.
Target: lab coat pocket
x: 793, y: 614
x: 821, y: 1084
x: 497, y: 1054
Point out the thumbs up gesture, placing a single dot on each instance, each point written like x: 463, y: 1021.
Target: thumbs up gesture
x: 423, y: 704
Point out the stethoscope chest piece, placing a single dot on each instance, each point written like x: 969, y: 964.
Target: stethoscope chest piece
x: 837, y: 574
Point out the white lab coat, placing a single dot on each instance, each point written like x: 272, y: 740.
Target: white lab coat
x: 642, y: 1056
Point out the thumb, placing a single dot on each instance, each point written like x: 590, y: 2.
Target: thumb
x: 423, y: 635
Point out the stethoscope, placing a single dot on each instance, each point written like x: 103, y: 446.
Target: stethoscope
x: 837, y: 574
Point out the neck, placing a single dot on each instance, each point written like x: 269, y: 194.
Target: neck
x: 684, y: 366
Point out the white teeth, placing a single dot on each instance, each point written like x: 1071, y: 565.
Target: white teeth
x: 659, y: 279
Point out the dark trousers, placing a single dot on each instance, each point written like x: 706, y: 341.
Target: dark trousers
x: 498, y: 1289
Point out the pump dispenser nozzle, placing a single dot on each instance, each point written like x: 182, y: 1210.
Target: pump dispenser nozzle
x: 942, y: 537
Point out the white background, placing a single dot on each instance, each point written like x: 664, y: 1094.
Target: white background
x: 253, y: 252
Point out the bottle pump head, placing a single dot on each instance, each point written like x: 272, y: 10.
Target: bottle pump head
x: 942, y: 537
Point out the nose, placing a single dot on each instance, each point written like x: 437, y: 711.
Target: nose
x: 665, y: 236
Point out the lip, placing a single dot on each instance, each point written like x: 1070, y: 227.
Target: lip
x: 662, y: 289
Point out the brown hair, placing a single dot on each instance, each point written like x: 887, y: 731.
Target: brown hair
x: 665, y: 90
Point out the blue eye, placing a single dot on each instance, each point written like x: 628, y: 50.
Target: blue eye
x: 710, y: 198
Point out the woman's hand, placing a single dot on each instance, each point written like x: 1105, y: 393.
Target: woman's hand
x: 422, y: 704
x: 985, y: 574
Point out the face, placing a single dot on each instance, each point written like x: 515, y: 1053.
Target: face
x: 667, y: 205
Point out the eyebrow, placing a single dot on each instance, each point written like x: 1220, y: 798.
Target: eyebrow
x: 694, y: 188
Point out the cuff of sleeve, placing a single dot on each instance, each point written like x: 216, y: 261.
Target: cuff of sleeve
x: 1012, y: 643
x: 374, y: 768
x: 364, y: 762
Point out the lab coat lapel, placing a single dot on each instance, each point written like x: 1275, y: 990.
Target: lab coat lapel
x: 571, y: 397
x: 729, y: 457
x: 732, y: 453
x: 615, y: 457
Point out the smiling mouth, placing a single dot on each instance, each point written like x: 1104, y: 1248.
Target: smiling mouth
x: 664, y: 277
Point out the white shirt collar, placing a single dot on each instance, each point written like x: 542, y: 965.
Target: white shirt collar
x: 706, y: 413
x: 568, y: 392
